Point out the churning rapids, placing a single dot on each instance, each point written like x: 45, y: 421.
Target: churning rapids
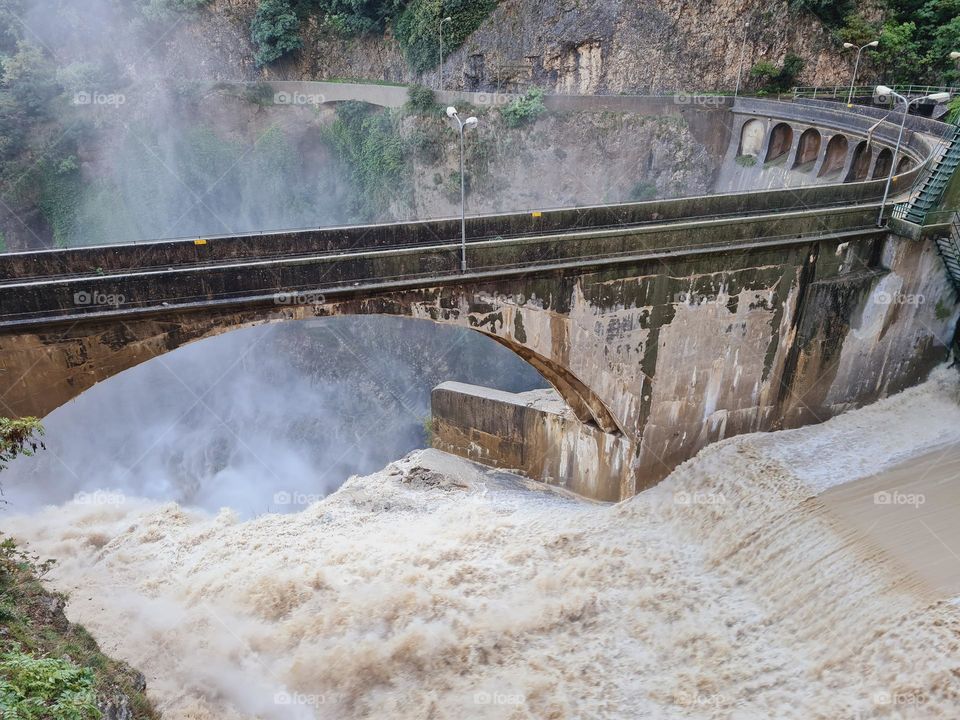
x: 436, y: 589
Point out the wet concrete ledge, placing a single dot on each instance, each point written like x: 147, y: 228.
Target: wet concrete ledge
x: 533, y: 433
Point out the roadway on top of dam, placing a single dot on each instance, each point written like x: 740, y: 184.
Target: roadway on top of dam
x: 277, y: 278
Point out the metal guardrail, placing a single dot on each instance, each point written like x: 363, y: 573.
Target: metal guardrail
x: 836, y: 92
x: 297, y: 293
x: 941, y: 217
x: 900, y: 211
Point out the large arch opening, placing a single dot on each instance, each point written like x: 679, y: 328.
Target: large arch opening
x: 808, y: 150
x: 860, y: 167
x: 836, y: 156
x: 882, y: 167
x: 244, y: 417
x: 904, y: 164
x: 781, y: 140
x: 751, y: 138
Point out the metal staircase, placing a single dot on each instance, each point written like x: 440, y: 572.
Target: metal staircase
x: 936, y: 182
x: 949, y: 248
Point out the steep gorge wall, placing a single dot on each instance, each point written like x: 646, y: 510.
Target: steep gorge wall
x: 617, y: 46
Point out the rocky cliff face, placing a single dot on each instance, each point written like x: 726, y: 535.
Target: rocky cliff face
x: 564, y: 46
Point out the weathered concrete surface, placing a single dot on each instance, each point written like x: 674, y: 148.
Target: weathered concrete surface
x: 534, y: 433
x: 666, y: 353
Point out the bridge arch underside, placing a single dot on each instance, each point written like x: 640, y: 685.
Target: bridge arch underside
x: 657, y: 357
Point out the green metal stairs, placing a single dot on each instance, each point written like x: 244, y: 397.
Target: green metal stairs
x: 949, y: 248
x: 936, y: 181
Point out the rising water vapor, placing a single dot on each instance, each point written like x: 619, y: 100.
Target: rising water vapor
x: 264, y: 419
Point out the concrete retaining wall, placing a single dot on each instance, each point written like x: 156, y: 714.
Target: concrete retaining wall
x: 533, y: 433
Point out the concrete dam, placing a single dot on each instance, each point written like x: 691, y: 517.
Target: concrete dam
x: 774, y: 300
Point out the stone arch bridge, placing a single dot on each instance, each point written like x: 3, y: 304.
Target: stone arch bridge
x: 663, y: 325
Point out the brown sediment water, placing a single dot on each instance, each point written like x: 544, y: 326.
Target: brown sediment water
x: 911, y: 512
x: 749, y: 584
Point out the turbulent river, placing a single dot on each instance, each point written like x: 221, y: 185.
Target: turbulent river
x: 437, y: 589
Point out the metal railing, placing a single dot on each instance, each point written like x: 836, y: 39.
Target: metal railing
x: 353, y: 283
x: 900, y: 210
x: 840, y: 92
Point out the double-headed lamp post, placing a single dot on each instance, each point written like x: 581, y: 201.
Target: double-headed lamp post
x: 462, y: 125
x: 440, y: 66
x: 856, y: 65
x: 884, y: 92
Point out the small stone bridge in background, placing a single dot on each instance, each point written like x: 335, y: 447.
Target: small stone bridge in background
x: 663, y: 325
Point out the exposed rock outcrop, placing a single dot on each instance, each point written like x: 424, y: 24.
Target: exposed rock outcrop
x: 611, y: 47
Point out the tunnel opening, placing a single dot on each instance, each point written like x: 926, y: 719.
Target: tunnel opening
x: 860, y: 167
x: 751, y: 139
x: 882, y: 167
x: 835, y: 157
x: 808, y: 150
x: 781, y: 140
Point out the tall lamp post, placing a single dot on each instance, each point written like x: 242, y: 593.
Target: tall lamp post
x: 440, y: 66
x: 885, y: 92
x: 743, y: 46
x: 856, y: 65
x: 461, y: 126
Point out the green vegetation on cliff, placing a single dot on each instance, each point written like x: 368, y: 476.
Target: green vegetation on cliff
x: 369, y: 143
x: 19, y: 437
x: 275, y: 30
x: 418, y: 32
x: 770, y: 78
x: 51, y: 669
x: 276, y: 25
x: 916, y: 37
x: 524, y: 109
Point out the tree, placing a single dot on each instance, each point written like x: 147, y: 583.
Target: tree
x: 19, y: 437
x: 275, y: 31
x: 771, y: 78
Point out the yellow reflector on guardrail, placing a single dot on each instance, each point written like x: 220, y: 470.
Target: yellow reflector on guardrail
x: 537, y: 214
x: 199, y: 242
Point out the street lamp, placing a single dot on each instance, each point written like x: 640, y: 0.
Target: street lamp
x: 440, y: 66
x: 885, y: 92
x: 462, y: 125
x: 743, y: 46
x: 856, y: 66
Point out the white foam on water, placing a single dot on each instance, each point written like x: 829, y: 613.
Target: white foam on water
x: 434, y: 589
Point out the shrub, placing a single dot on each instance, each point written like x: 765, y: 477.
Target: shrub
x: 19, y: 437
x: 360, y: 16
x: 524, y: 109
x: 259, y: 94
x: 420, y: 101
x: 417, y: 28
x: 771, y: 78
x: 39, y: 688
x: 370, y: 146
x: 643, y: 191
x: 953, y: 116
x: 275, y: 31
x: 764, y: 71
